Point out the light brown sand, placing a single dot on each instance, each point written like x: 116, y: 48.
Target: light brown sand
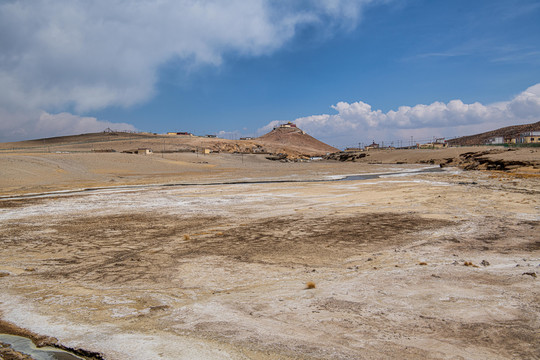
x: 220, y: 271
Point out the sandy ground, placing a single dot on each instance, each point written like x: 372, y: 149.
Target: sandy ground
x: 220, y: 271
x: 36, y: 172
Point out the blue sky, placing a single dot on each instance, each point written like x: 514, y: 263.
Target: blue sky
x: 346, y: 71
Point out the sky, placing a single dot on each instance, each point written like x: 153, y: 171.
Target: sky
x: 348, y: 72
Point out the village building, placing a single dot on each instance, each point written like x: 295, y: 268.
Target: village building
x: 140, y: 151
x: 372, y: 146
x: 144, y: 151
x: 180, y: 133
x: 531, y: 137
x: 496, y: 140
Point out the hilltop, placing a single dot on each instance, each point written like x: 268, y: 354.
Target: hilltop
x: 287, y: 139
x: 506, y: 132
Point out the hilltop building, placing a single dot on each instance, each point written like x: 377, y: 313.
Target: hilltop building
x: 287, y: 125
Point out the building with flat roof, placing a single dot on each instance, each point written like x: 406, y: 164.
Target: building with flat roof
x: 531, y: 137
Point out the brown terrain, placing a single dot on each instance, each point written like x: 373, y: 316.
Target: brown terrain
x: 292, y: 142
x: 180, y: 255
x: 506, y: 132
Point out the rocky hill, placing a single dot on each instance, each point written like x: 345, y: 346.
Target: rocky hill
x: 507, y: 132
x: 290, y: 143
x: 295, y: 141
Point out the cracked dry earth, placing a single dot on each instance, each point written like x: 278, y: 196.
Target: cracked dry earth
x: 217, y: 272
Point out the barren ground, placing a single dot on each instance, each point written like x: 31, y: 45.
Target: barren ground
x: 220, y: 271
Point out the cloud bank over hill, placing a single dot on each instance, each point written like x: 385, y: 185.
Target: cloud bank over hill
x: 79, y: 56
x: 355, y: 122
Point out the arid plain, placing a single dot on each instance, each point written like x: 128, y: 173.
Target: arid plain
x: 185, y: 256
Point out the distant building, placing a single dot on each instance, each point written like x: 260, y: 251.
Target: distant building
x: 140, y: 151
x: 352, y: 149
x: 144, y: 151
x: 287, y: 125
x: 210, y: 136
x: 496, y: 140
x: 246, y: 138
x: 528, y: 137
x: 372, y: 146
x: 180, y: 133
x: 433, y: 145
x: 440, y: 141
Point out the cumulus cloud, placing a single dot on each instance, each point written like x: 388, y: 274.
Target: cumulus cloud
x: 88, y: 55
x: 32, y: 125
x: 355, y: 122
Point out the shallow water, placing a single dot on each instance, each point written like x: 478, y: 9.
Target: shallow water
x: 245, y: 182
x: 26, y: 346
x: 394, y: 174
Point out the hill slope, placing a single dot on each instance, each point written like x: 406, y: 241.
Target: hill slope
x: 507, y: 132
x: 296, y: 140
x: 290, y: 141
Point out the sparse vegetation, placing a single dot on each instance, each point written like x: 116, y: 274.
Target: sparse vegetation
x: 310, y: 285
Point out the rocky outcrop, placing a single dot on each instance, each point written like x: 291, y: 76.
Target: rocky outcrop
x: 346, y: 156
x: 7, y: 353
x: 481, y: 160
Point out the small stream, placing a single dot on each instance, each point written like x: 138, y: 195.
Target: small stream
x: 26, y: 346
x: 271, y: 181
x: 401, y: 173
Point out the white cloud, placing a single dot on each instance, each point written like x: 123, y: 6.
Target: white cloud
x: 358, y: 122
x: 32, y: 125
x: 232, y: 135
x: 88, y: 55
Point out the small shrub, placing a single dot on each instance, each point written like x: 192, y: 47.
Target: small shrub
x: 187, y: 237
x: 422, y: 263
x: 310, y: 285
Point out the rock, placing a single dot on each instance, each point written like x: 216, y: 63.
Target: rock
x: 346, y: 156
x: 8, y: 353
x: 484, y: 263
